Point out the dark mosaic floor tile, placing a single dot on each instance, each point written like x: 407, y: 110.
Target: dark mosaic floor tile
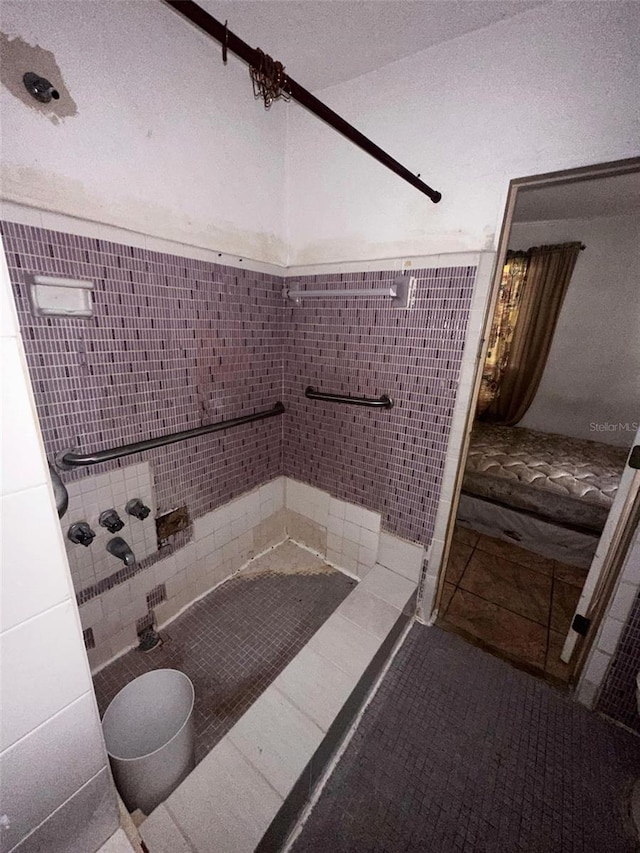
x: 461, y: 753
x: 233, y: 643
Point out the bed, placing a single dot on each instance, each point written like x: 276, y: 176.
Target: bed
x: 549, y: 492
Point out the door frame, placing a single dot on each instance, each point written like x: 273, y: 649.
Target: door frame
x: 612, y: 564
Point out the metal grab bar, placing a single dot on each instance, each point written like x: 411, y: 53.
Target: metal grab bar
x: 68, y: 459
x: 383, y: 402
x: 60, y: 492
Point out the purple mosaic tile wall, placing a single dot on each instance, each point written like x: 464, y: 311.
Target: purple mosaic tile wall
x: 390, y: 461
x: 618, y: 694
x: 174, y: 343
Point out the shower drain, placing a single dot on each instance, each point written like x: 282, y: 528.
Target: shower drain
x: 149, y: 640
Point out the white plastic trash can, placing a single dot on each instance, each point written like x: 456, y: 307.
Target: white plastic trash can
x: 148, y: 730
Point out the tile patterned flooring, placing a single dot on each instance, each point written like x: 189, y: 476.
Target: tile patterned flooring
x: 234, y: 642
x: 510, y: 601
x: 459, y: 752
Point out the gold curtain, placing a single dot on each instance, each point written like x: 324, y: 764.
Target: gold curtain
x: 502, y: 328
x: 541, y: 291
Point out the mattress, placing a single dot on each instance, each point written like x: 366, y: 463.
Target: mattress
x: 557, y: 541
x: 565, y: 480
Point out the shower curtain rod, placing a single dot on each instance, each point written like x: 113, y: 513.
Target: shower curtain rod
x: 232, y: 43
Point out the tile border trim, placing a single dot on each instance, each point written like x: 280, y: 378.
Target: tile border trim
x: 22, y: 214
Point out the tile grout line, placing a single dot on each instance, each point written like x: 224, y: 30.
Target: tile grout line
x: 490, y: 601
x: 325, y: 591
x: 542, y: 669
x: 549, y: 616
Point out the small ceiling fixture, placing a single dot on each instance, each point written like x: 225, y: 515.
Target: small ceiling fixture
x: 40, y: 88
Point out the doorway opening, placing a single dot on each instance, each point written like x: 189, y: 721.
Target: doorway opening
x: 544, y: 491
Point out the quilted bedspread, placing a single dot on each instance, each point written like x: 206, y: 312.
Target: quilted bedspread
x: 567, y: 480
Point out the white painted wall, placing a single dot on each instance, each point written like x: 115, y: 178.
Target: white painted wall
x: 591, y: 376
x: 167, y: 141
x: 553, y: 88
x: 56, y: 785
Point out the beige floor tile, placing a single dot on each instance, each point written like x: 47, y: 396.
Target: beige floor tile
x: 277, y: 738
x: 563, y: 605
x: 553, y: 665
x: 511, y: 635
x: 509, y: 551
x: 458, y: 558
x: 225, y: 804
x: 517, y: 588
x: 447, y: 595
x: 465, y: 535
x: 570, y: 574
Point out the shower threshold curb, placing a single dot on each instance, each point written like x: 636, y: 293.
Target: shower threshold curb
x: 248, y: 792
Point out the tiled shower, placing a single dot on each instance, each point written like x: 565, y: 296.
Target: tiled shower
x: 176, y: 342
x: 193, y: 202
x: 394, y: 460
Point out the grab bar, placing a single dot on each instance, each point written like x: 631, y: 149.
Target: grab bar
x: 59, y: 491
x: 383, y: 402
x: 69, y: 459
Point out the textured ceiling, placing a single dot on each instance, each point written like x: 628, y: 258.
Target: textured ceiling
x: 322, y: 42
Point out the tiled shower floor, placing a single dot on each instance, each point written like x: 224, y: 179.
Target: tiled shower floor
x: 511, y: 601
x: 234, y: 642
x: 459, y: 752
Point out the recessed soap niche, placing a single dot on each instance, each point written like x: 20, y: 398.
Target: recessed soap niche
x: 54, y: 296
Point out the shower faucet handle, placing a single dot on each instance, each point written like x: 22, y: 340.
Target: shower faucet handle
x: 81, y: 534
x: 137, y: 509
x: 111, y: 520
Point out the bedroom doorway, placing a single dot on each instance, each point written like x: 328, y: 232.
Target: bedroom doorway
x: 543, y: 478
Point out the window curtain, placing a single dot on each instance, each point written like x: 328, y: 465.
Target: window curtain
x: 502, y: 328
x: 535, y: 284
